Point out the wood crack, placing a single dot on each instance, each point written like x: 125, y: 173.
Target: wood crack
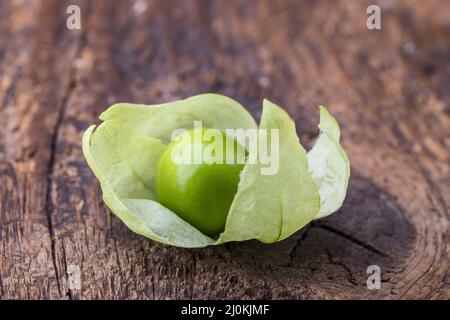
x: 335, y: 262
x: 116, y: 251
x: 69, y: 290
x: 297, y: 243
x: 49, y: 207
x: 355, y: 240
x: 1, y: 285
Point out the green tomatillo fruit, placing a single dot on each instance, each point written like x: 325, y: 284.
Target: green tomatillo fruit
x: 197, y: 177
x: 136, y: 159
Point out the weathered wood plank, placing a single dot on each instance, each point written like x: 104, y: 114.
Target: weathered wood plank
x: 33, y: 85
x: 388, y: 89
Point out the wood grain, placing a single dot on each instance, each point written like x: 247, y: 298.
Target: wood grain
x: 389, y: 90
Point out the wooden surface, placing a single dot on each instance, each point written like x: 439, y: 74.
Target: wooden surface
x: 389, y: 89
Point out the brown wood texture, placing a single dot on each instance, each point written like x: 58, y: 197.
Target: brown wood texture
x: 388, y: 88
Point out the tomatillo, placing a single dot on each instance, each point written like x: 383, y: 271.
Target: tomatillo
x: 198, y: 175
